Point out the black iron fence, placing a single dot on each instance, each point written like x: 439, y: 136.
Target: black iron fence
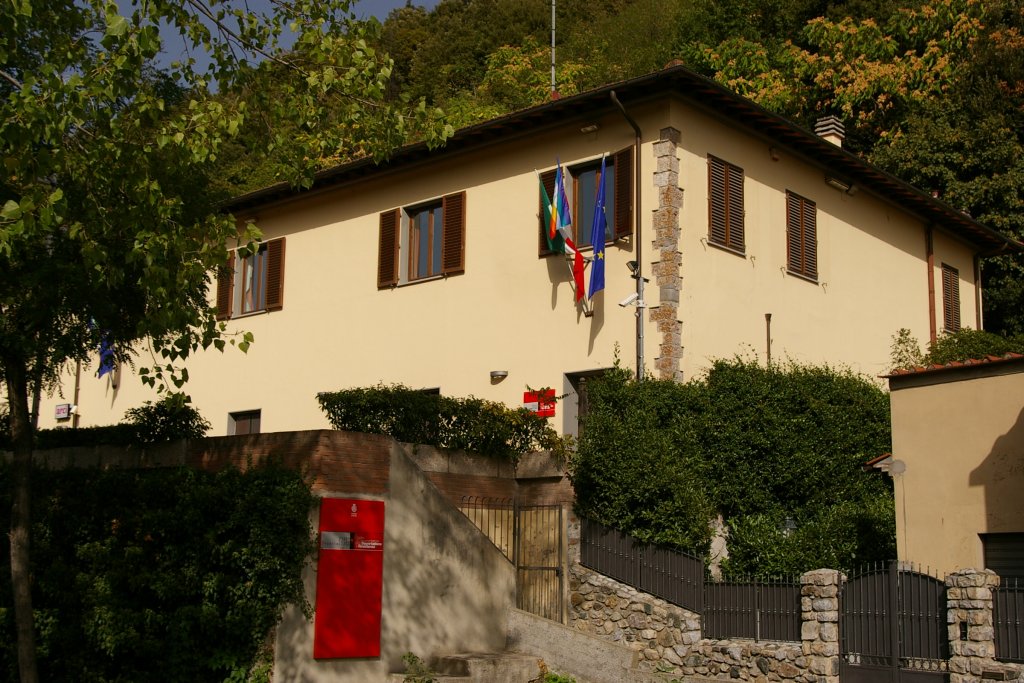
x: 754, y: 608
x: 672, y: 576
x: 763, y: 610
x: 1007, y: 618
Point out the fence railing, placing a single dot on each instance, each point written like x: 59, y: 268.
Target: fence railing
x: 672, y: 576
x: 762, y: 610
x: 1008, y: 619
x: 754, y: 608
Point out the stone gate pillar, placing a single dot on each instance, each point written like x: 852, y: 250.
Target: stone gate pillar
x: 972, y: 637
x: 819, y: 612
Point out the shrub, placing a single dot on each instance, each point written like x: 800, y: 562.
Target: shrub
x: 966, y: 344
x: 470, y: 424
x: 146, y: 575
x: 658, y: 460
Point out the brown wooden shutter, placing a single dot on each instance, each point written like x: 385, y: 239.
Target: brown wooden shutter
x: 718, y: 232
x: 734, y: 206
x: 548, y: 180
x: 794, y: 251
x: 810, y: 225
x: 623, y: 193
x: 275, y: 275
x: 725, y: 204
x: 801, y: 236
x: 950, y: 298
x: 453, y: 247
x: 387, y: 250
x: 225, y: 282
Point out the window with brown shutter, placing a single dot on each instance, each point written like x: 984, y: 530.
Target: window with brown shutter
x: 387, y: 253
x: 725, y: 204
x: 225, y: 280
x: 801, y: 236
x: 581, y: 184
x: 950, y: 298
x: 252, y: 283
x: 433, y: 236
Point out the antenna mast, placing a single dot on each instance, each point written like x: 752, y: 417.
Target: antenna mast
x: 554, y: 91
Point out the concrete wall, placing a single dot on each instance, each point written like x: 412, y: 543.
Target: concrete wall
x: 446, y: 588
x: 958, y: 434
x: 513, y: 311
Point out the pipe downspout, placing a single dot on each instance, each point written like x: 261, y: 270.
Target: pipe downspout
x: 638, y: 275
x: 932, y: 330
x: 979, y: 321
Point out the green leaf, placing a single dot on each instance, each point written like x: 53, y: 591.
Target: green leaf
x: 11, y: 211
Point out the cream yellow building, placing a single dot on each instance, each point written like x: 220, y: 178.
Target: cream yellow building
x: 429, y: 270
x: 958, y: 465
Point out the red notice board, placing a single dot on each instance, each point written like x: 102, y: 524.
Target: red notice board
x: 350, y: 573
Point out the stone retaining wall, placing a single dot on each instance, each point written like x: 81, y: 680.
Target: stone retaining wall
x: 667, y: 638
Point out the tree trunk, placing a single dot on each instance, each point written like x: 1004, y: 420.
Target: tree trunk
x: 21, y: 473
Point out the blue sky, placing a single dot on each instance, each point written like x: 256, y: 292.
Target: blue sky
x: 174, y: 46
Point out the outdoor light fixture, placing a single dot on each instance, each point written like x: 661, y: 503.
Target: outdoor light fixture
x: 840, y: 185
x: 632, y: 265
x: 590, y: 128
x: 498, y: 375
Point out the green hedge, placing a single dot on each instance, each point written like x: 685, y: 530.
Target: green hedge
x: 169, y: 419
x: 470, y: 424
x: 658, y: 459
x: 157, y: 575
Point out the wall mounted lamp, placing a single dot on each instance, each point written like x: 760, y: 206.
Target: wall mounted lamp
x: 841, y: 185
x: 498, y: 375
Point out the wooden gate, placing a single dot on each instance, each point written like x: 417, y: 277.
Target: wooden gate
x: 892, y: 627
x: 531, y: 537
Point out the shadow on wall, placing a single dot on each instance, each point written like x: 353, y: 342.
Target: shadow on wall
x: 446, y: 589
x: 1001, y: 474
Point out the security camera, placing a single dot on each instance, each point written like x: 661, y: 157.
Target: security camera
x: 629, y: 300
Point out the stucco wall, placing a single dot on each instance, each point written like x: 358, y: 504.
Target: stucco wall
x: 960, y: 435
x: 513, y: 311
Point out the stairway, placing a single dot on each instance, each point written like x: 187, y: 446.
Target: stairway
x: 488, y: 667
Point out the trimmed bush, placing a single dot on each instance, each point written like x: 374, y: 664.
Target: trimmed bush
x: 472, y: 424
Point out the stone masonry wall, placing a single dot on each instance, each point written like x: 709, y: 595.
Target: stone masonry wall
x: 668, y: 638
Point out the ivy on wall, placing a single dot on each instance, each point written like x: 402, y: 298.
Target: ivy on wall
x: 158, y: 575
x: 778, y: 452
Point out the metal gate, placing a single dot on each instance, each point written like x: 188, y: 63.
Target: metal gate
x: 893, y: 627
x: 531, y: 537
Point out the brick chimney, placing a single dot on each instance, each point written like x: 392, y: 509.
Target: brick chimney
x: 830, y: 128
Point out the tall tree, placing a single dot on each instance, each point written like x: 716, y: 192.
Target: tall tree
x: 107, y: 228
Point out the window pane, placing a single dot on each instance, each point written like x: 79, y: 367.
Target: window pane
x: 586, y: 197
x: 254, y: 280
x: 422, y: 232
x: 426, y: 235
x: 609, y: 202
x: 586, y: 185
x: 438, y: 237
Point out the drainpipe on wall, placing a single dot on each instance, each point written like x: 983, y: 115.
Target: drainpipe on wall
x: 978, y: 324
x: 932, y: 331
x: 638, y: 273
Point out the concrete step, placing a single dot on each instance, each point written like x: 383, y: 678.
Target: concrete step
x: 480, y: 667
x: 489, y: 667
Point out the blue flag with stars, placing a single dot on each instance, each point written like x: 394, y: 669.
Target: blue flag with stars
x: 597, y: 237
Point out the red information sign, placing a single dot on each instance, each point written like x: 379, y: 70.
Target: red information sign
x: 350, y: 573
x: 540, y: 402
